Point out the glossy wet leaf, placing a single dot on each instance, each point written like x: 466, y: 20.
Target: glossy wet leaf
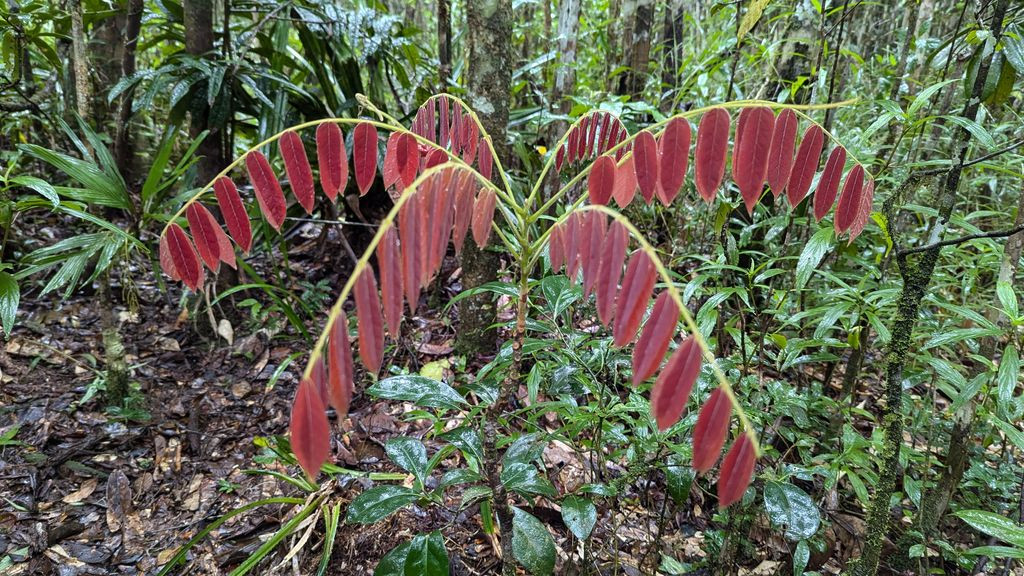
x: 418, y: 390
x: 790, y: 507
x: 378, y: 503
x: 532, y: 544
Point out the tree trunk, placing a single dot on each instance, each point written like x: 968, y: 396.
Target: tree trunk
x: 672, y: 31
x: 199, y: 41
x: 444, y: 43
x: 122, y: 139
x: 638, y: 50
x: 565, y: 71
x: 80, y: 62
x: 934, y: 503
x: 915, y: 283
x: 488, y: 87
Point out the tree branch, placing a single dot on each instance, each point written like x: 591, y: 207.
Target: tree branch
x: 960, y: 240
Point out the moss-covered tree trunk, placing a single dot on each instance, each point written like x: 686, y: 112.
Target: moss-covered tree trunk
x: 916, y: 278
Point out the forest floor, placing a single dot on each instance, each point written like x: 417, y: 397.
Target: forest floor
x: 88, y: 491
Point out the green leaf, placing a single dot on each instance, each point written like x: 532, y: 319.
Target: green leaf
x: 580, y: 515
x: 467, y: 440
x: 393, y: 563
x: 524, y: 479
x: 10, y: 295
x: 1013, y: 47
x: 680, y: 479
x: 1006, y: 381
x: 559, y: 294
x: 1013, y: 434
x: 532, y: 545
x: 417, y: 390
x: 976, y: 130
x: 924, y: 95
x: 426, y: 556
x: 751, y: 16
x: 472, y: 494
x: 997, y: 551
x: 409, y: 454
x: 801, y: 556
x: 791, y: 507
x: 100, y: 188
x: 994, y: 525
x: 811, y: 256
x: 1008, y: 299
x: 39, y: 185
x: 378, y: 503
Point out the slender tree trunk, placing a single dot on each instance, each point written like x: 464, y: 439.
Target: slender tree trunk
x: 915, y: 283
x: 122, y: 139
x: 80, y: 62
x: 935, y: 502
x: 565, y: 70
x: 444, y: 43
x: 638, y: 52
x: 672, y: 29
x: 489, y: 84
x: 199, y: 42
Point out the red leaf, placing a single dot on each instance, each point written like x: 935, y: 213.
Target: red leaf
x: 408, y: 232
x: 339, y: 361
x: 233, y: 211
x: 613, y: 255
x: 864, y: 211
x: 364, y: 155
x: 430, y: 130
x: 472, y: 137
x: 389, y: 263
x: 556, y: 248
x: 424, y: 216
x: 601, y: 181
x: 310, y: 436
x: 371, y: 325
x: 183, y: 255
x: 483, y: 215
x: 436, y: 158
x: 588, y: 147
x: 675, y: 155
x: 737, y: 470
x: 709, y: 155
x: 602, y: 137
x: 632, y: 300
x: 574, y: 144
x: 828, y: 184
x: 318, y: 375
x: 850, y: 199
x: 645, y: 160
x: 443, y: 122
x: 296, y: 165
x: 592, y: 228
x: 390, y: 172
x: 268, y: 189
x: 805, y: 165
x: 559, y: 158
x: 464, y: 199
x: 625, y: 183
x: 572, y: 246
x: 202, y: 225
x: 617, y: 133
x: 709, y: 433
x: 750, y: 152
x: 166, y: 261
x: 654, y: 339
x: 441, y: 220
x: 486, y: 161
x: 332, y: 158
x: 780, y: 155
x: 407, y: 157
x: 672, y: 388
